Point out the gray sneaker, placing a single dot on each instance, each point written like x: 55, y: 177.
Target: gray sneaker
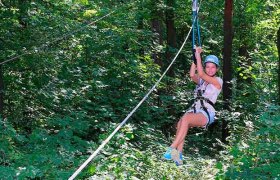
x: 177, y: 157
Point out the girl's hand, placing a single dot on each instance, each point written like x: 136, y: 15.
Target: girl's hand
x: 198, y: 50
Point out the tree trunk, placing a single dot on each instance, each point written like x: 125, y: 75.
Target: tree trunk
x: 227, y: 65
x: 246, y: 62
x: 140, y: 39
x: 1, y: 92
x: 278, y: 47
x: 244, y: 34
x: 171, y: 34
x: 23, y: 6
x: 157, y: 30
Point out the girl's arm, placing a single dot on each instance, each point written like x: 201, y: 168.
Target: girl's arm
x: 194, y: 76
x: 201, y: 73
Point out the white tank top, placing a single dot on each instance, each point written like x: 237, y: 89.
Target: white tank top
x: 209, y: 91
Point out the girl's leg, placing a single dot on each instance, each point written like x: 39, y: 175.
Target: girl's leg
x: 179, y: 126
x: 180, y: 146
x: 187, y: 121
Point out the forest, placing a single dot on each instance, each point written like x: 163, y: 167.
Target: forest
x: 72, y: 70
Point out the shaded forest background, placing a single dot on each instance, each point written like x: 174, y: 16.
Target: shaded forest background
x: 70, y: 80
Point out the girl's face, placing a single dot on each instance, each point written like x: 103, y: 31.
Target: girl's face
x: 211, y: 69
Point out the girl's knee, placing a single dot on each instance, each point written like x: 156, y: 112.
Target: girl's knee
x: 185, y: 121
x: 186, y: 117
x: 179, y: 123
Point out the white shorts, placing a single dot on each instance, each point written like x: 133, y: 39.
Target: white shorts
x: 211, y: 115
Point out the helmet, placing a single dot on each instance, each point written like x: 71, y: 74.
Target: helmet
x: 212, y: 59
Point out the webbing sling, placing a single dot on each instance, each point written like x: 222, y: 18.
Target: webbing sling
x: 195, y: 25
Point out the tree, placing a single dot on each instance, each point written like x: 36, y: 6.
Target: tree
x: 157, y: 29
x: 243, y: 34
x: 140, y: 19
x: 171, y: 33
x: 1, y: 91
x: 278, y: 47
x: 227, y: 65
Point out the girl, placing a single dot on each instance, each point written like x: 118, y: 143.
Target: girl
x: 202, y: 113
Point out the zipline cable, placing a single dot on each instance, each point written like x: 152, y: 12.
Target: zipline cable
x: 56, y: 40
x: 131, y: 113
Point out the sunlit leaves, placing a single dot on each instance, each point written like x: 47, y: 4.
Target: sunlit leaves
x: 83, y: 2
x: 63, y: 100
x: 255, y: 155
x: 90, y: 13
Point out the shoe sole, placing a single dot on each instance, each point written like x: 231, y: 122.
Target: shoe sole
x: 166, y: 159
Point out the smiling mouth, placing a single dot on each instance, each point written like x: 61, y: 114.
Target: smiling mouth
x: 211, y: 74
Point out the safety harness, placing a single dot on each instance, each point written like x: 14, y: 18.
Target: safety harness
x: 202, y: 100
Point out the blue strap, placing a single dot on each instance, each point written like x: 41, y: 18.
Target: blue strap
x: 193, y: 28
x: 195, y: 25
x: 195, y: 22
x: 198, y: 31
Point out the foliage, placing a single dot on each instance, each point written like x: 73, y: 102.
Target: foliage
x: 136, y: 154
x: 78, y: 75
x: 255, y: 155
x: 42, y: 151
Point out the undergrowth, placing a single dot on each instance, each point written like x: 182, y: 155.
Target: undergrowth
x: 136, y: 152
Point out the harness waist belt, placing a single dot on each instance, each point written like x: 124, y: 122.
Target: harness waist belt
x: 201, y: 99
x: 205, y: 99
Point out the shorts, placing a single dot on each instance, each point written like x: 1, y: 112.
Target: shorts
x: 211, y: 115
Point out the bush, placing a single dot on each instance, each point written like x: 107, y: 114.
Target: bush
x: 256, y: 156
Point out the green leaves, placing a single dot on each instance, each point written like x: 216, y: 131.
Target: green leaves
x: 90, y: 13
x: 63, y: 100
x: 255, y: 156
x: 83, y: 2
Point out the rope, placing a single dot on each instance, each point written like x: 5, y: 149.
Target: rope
x: 130, y: 114
x: 56, y: 40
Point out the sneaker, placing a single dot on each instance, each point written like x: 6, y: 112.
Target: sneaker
x: 177, y: 157
x: 167, y: 154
